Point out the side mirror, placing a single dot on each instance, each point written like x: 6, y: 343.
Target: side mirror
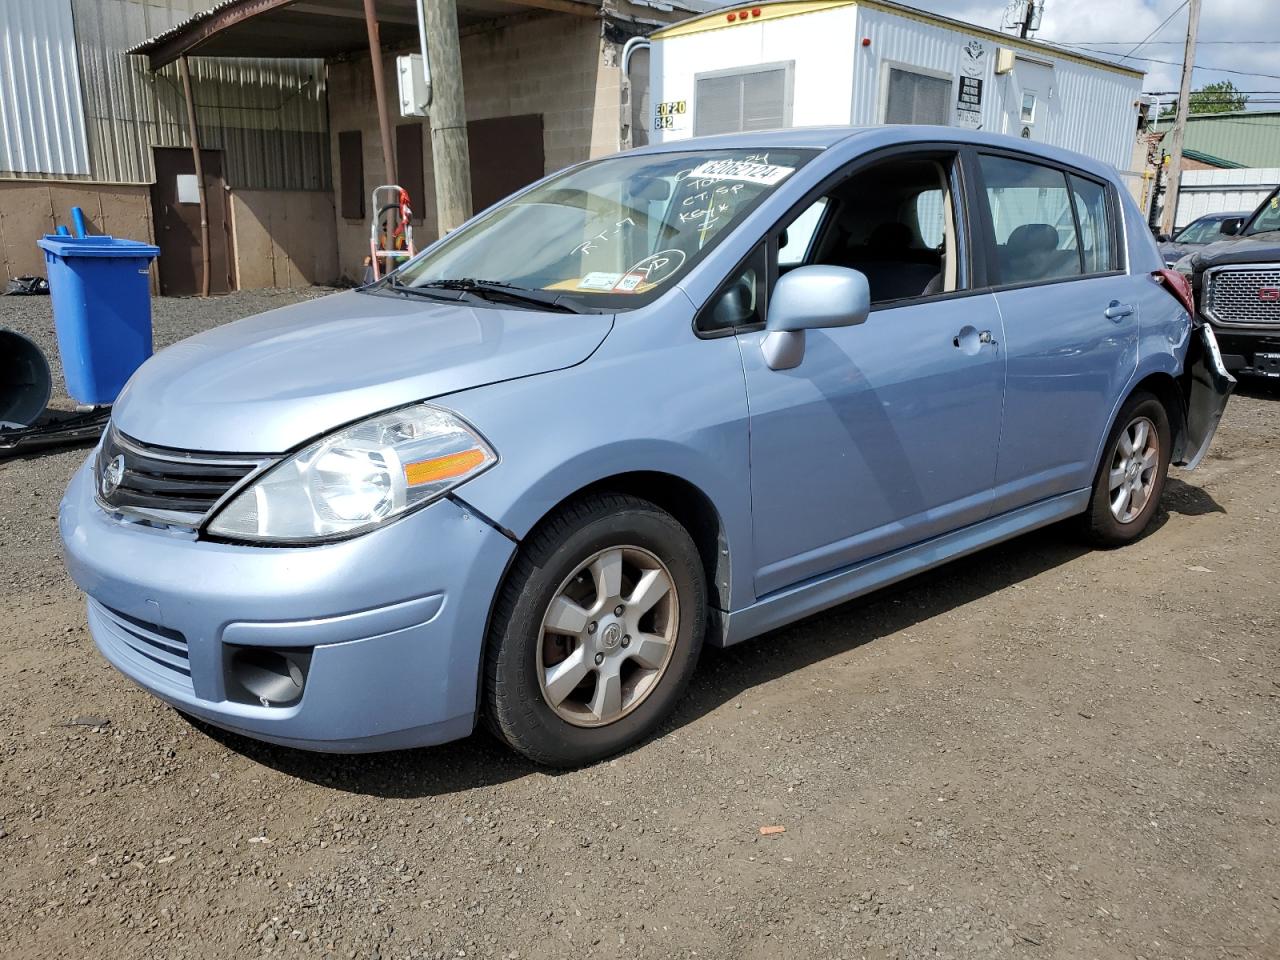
x: 1231, y: 226
x: 1163, y: 238
x: 809, y: 298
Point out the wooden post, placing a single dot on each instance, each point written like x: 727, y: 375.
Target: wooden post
x: 1177, y: 134
x: 194, y: 133
x: 450, y: 155
x: 379, y: 91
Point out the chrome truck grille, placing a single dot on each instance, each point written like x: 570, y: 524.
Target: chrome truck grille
x: 1242, y: 296
x: 172, y: 487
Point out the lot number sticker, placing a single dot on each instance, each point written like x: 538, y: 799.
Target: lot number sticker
x: 748, y: 171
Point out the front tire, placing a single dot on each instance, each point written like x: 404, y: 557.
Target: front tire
x: 596, y: 631
x: 1131, y: 477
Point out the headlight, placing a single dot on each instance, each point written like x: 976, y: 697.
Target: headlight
x: 357, y: 478
x: 1184, y: 266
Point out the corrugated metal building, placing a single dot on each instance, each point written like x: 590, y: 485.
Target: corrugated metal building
x: 84, y: 123
x: 73, y: 103
x: 1244, y: 138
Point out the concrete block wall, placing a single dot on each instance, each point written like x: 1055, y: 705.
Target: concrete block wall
x: 556, y: 65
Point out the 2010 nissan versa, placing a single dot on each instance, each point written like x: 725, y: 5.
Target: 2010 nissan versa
x: 694, y: 391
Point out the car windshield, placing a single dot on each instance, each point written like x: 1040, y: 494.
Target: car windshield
x: 612, y: 234
x: 1266, y: 219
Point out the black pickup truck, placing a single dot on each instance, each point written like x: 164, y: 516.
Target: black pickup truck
x: 1237, y: 290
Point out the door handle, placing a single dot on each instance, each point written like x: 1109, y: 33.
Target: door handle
x: 1117, y: 311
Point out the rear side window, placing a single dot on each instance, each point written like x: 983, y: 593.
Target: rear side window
x: 1047, y: 224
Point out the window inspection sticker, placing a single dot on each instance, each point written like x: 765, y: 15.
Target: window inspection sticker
x: 599, y: 281
x: 746, y: 170
x: 629, y: 282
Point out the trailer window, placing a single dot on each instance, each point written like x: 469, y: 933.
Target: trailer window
x: 731, y: 101
x: 913, y: 97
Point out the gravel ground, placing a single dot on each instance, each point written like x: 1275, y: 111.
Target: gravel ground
x: 1037, y: 752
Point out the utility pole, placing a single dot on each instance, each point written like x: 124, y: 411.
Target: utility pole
x: 1028, y: 18
x: 1178, y: 133
x: 450, y: 155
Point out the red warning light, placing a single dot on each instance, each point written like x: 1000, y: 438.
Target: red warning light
x: 866, y: 41
x: 755, y: 11
x: 731, y: 17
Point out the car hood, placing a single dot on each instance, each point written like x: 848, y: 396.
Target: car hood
x: 270, y: 382
x: 1258, y: 248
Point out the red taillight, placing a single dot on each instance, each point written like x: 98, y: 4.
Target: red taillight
x: 1177, y: 284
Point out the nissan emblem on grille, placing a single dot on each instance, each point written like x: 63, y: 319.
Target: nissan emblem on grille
x: 112, y: 475
x: 1243, y: 296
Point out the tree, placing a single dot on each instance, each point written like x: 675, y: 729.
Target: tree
x: 1213, y: 98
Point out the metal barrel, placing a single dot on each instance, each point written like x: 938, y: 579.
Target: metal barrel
x: 25, y: 380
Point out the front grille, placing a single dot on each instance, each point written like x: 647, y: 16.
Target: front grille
x: 147, y: 647
x: 1243, y: 296
x: 159, y: 484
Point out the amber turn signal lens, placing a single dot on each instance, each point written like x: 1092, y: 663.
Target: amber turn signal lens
x: 443, y: 468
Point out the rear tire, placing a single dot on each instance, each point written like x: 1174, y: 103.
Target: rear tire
x: 1131, y: 476
x: 596, y: 631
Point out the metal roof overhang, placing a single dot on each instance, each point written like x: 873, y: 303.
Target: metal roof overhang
x: 318, y: 28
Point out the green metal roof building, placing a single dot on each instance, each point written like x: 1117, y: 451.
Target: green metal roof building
x: 1242, y: 138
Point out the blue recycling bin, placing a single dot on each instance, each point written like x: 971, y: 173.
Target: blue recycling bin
x: 101, y: 290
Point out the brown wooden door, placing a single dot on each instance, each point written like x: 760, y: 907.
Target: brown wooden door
x: 506, y: 154
x: 175, y: 208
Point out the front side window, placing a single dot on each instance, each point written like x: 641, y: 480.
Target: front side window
x: 894, y: 221
x: 607, y: 235
x: 1032, y: 220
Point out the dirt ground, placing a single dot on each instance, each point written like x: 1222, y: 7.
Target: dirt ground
x: 1037, y: 752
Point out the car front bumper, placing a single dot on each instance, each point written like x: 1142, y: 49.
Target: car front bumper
x: 391, y: 623
x: 1250, y: 351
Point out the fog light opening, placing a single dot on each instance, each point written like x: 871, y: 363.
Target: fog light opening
x: 271, y: 678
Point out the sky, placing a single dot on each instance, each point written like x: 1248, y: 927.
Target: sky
x: 1120, y: 24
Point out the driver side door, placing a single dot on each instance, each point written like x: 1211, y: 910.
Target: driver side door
x: 886, y: 433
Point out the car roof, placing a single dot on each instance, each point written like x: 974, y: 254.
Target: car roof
x: 823, y: 138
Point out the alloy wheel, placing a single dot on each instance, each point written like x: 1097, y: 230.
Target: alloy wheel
x: 1135, y: 464
x: 607, y: 636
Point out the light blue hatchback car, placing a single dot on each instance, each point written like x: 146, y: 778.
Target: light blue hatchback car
x: 691, y: 392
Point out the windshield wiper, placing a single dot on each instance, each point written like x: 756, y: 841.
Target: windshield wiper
x: 393, y: 282
x: 496, y: 290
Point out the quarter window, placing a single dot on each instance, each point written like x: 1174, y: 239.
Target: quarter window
x: 1032, y: 220
x: 1096, y: 234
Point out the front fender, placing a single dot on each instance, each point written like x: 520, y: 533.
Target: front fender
x: 678, y: 410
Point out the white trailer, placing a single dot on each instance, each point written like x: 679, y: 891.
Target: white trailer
x: 865, y: 62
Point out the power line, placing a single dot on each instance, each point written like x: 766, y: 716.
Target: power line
x: 1172, y: 63
x: 1199, y: 43
x: 1155, y: 31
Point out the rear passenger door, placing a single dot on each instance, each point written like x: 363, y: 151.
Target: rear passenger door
x: 1070, y: 315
